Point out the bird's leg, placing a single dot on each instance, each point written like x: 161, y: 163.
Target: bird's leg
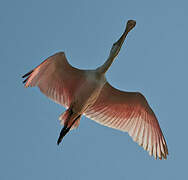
x: 66, y: 129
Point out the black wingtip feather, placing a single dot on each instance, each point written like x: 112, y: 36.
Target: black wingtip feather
x: 25, y: 80
x: 27, y: 74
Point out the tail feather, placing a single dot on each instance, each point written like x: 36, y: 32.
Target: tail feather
x: 64, y: 117
x: 66, y: 129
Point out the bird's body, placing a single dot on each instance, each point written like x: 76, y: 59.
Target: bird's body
x: 89, y: 91
x: 86, y: 92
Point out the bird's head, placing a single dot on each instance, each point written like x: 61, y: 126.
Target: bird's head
x: 117, y: 45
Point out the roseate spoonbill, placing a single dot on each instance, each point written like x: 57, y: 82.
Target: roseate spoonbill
x: 87, y: 92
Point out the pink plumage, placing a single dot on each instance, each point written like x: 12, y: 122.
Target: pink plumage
x: 86, y: 92
x: 129, y: 112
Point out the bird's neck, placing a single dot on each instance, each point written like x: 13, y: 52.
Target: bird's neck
x: 102, y: 69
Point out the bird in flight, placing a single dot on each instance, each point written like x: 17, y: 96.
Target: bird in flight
x: 87, y: 92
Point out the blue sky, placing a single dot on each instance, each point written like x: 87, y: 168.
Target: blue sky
x: 153, y: 60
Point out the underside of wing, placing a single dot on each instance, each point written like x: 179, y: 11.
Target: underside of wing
x: 56, y: 78
x: 129, y: 112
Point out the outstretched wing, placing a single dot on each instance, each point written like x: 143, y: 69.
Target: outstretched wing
x: 56, y: 78
x: 129, y: 112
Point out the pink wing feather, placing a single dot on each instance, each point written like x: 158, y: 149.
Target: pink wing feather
x: 56, y: 78
x: 129, y: 112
